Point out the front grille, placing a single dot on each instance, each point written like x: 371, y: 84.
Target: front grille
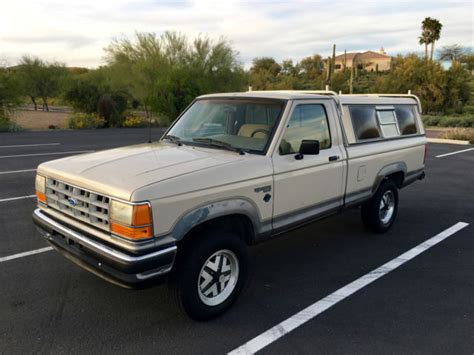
x: 79, y: 203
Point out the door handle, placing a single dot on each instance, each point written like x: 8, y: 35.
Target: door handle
x: 334, y: 157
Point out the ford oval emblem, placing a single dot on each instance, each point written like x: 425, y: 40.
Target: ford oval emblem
x: 72, y: 201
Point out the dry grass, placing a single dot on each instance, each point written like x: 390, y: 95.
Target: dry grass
x: 39, y: 120
x: 463, y: 134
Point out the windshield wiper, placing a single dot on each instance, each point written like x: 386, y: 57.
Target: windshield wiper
x: 219, y: 144
x: 173, y: 139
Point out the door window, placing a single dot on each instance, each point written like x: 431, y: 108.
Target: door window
x: 306, y: 122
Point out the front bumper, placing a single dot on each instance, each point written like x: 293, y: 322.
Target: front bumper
x: 113, y: 265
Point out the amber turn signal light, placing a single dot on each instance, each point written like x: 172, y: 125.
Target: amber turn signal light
x: 131, y: 232
x: 41, y: 196
x: 141, y: 215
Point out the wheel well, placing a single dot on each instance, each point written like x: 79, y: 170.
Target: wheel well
x: 397, y: 178
x: 239, y: 223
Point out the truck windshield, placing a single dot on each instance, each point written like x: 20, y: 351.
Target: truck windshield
x: 238, y: 124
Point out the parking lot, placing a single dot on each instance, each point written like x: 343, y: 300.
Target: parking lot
x: 423, y: 305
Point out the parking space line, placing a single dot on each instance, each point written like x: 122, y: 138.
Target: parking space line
x: 16, y: 198
x: 16, y: 171
x: 456, y: 152
x: 27, y: 145
x: 278, y: 331
x: 26, y: 253
x: 39, y: 154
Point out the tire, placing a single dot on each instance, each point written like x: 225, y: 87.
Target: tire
x: 379, y: 213
x: 209, y: 274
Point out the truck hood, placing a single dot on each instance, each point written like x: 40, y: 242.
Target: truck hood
x: 119, y: 172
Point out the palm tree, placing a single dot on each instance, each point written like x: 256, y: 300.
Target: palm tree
x: 425, y: 36
x: 435, y: 27
x: 430, y: 33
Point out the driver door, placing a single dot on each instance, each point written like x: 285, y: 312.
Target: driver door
x: 312, y: 186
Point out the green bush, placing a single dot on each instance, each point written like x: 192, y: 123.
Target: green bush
x: 8, y: 126
x: 466, y: 121
x: 85, y: 121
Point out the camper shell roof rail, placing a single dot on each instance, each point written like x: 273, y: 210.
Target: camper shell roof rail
x: 336, y: 95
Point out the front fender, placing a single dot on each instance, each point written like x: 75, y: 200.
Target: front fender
x: 212, y: 210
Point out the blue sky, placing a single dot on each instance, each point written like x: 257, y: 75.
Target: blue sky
x: 75, y: 33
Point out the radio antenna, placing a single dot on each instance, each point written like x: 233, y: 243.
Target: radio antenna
x: 149, y: 128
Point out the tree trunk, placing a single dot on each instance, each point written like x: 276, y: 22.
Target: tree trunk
x: 34, y: 102
x: 432, y: 51
x: 45, y: 104
x: 426, y: 52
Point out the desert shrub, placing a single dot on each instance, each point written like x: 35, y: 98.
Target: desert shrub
x: 466, y: 121
x: 111, y: 107
x: 85, y: 121
x: 134, y: 121
x: 6, y: 125
x: 464, y: 134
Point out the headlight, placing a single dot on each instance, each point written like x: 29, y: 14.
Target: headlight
x: 40, y: 187
x: 132, y: 221
x: 121, y: 212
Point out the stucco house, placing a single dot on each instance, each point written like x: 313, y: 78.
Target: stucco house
x: 369, y: 60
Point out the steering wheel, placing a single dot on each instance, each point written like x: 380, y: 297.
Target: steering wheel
x: 260, y: 130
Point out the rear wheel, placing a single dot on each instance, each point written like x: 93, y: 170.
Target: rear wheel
x: 209, y: 275
x: 379, y: 213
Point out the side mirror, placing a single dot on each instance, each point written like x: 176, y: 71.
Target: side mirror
x: 308, y: 147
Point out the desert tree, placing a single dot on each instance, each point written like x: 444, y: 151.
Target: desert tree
x: 40, y: 79
x: 453, y: 53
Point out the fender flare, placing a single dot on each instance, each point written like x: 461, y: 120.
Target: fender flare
x: 212, y: 210
x: 398, y: 167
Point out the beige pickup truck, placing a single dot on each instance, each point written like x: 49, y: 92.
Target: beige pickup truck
x: 234, y: 169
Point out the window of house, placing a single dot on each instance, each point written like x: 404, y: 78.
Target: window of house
x: 306, y: 122
x: 338, y: 66
x: 406, y: 119
x: 388, y: 122
x: 364, y: 122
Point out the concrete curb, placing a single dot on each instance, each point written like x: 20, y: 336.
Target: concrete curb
x: 447, y: 141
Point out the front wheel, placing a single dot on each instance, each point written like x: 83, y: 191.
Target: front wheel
x: 379, y: 213
x: 210, y: 273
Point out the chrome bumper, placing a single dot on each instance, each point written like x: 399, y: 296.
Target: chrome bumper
x: 109, y: 263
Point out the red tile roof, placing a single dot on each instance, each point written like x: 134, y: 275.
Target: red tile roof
x: 364, y: 55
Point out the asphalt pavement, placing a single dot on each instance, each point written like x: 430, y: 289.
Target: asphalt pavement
x: 48, y: 305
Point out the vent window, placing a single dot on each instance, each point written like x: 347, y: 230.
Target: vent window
x: 388, y: 123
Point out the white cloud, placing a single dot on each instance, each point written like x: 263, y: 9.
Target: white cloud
x: 77, y: 32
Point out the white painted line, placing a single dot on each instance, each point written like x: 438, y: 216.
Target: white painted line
x: 447, y: 141
x: 278, y: 331
x: 16, y: 198
x: 16, y: 171
x: 27, y: 145
x: 456, y: 152
x: 26, y: 253
x: 39, y: 154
